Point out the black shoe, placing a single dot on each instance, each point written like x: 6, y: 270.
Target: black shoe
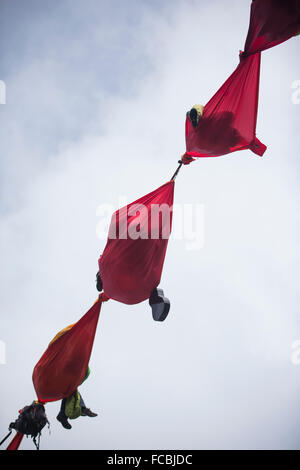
x: 63, y: 420
x: 88, y: 412
x: 99, y: 284
x: 160, y: 305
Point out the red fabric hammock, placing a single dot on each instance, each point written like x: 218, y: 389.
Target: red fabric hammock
x: 64, y: 364
x: 272, y: 22
x: 228, y: 122
x: 131, y: 264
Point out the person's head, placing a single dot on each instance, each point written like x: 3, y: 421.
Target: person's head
x: 196, y: 114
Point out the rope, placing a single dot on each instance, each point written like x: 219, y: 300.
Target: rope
x: 6, y: 437
x: 177, y: 171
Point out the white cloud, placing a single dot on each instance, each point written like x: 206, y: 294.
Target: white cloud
x: 217, y: 373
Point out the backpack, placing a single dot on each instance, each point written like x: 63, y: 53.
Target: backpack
x: 31, y: 420
x: 72, y: 407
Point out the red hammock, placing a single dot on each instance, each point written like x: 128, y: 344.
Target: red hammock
x: 272, y: 22
x: 131, y: 264
x: 228, y: 122
x: 64, y: 364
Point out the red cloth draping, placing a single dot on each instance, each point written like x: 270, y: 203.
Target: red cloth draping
x: 228, y: 122
x: 271, y: 23
x: 229, y: 119
x: 63, y: 366
x: 132, y: 261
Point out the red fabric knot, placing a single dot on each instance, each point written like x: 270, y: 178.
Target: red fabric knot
x: 187, y: 159
x: 103, y: 297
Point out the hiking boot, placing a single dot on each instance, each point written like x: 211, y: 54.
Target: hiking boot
x: 88, y: 412
x: 160, y: 305
x: 63, y: 420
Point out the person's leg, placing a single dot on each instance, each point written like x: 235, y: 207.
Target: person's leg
x: 82, y: 404
x: 62, y: 410
x: 84, y: 410
x: 61, y: 417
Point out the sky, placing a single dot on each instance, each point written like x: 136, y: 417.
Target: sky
x: 96, y: 96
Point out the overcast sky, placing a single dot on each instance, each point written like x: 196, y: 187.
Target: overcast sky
x: 96, y: 96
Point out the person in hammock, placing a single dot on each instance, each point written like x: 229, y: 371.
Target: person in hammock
x: 73, y: 406
x: 195, y: 114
